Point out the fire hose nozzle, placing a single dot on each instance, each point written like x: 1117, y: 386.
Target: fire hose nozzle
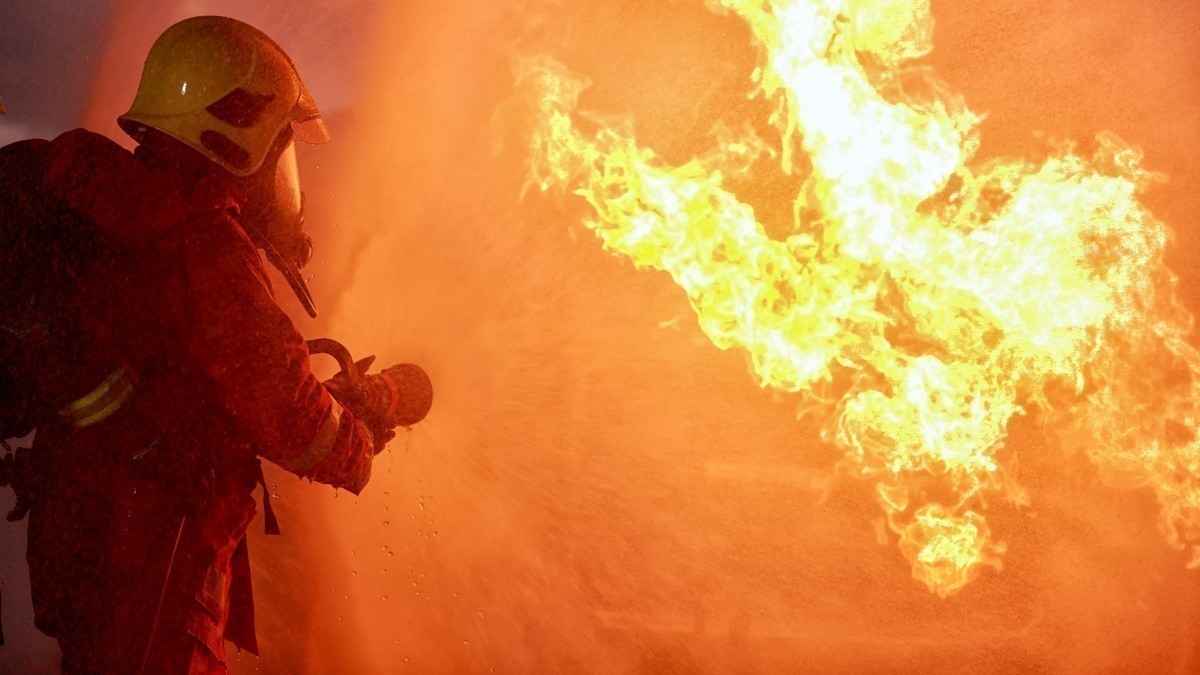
x: 401, y: 395
x: 414, y: 392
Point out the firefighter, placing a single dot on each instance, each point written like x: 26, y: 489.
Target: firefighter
x: 154, y: 362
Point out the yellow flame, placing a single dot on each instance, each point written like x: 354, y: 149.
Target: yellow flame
x: 937, y: 297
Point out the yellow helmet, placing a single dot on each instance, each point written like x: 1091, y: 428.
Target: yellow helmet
x: 225, y: 89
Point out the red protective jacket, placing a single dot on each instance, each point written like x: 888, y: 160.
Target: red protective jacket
x: 176, y: 372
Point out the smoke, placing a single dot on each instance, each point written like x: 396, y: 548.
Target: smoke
x: 11, y: 133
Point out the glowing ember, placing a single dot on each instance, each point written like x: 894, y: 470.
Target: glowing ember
x: 935, y: 298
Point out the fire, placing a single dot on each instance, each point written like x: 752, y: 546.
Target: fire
x: 924, y: 298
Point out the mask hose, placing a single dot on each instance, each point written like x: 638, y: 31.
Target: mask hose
x: 288, y: 268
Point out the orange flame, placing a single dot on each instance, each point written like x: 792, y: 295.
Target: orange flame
x: 937, y: 298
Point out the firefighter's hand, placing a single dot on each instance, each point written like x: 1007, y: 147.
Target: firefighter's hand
x: 400, y: 396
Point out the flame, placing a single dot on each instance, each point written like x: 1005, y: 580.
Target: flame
x: 923, y: 298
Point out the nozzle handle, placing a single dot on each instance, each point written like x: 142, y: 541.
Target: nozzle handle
x: 353, y: 370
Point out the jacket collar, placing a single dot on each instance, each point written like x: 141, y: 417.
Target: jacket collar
x: 134, y: 196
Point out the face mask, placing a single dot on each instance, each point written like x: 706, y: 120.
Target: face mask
x: 288, y: 235
x: 275, y: 212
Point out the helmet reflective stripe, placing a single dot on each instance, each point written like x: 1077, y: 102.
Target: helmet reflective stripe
x: 320, y: 447
x: 225, y: 89
x: 101, y: 402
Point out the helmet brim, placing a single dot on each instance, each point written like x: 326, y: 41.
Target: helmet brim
x: 312, y: 131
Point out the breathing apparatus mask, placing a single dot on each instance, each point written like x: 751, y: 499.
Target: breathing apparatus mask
x: 274, y: 217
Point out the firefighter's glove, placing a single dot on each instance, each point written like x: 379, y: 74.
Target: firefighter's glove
x: 400, y: 396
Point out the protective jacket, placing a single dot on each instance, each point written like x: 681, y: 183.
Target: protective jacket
x: 158, y: 369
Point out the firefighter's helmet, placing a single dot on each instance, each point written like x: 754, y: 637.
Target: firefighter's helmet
x: 225, y: 89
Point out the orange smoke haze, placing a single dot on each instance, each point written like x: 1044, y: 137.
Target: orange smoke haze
x: 599, y: 489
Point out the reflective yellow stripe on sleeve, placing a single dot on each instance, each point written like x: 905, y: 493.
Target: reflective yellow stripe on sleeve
x: 101, y: 402
x: 320, y: 447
